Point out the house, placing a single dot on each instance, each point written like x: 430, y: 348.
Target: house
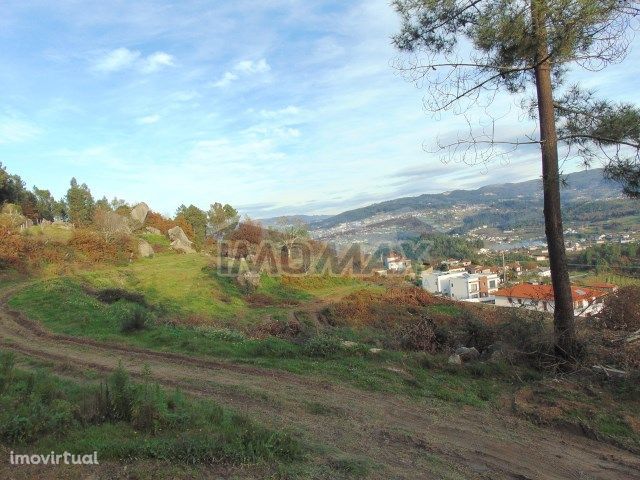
x: 438, y: 282
x: 396, y: 263
x: 544, y: 272
x: 460, y: 284
x: 604, y: 287
x: 586, y: 301
x: 473, y: 286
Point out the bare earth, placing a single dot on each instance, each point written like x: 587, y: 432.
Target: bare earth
x: 405, y: 438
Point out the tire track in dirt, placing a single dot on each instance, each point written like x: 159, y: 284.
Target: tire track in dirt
x: 403, y: 437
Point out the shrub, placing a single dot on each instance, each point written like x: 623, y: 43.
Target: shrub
x: 134, y: 319
x: 621, y: 309
x: 322, y: 347
x: 285, y: 330
x: 477, y: 333
x: 420, y: 336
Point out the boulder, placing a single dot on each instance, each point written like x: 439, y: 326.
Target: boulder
x: 139, y: 213
x: 179, y: 241
x: 144, y: 249
x: 467, y: 354
x: 455, y: 359
x: 153, y: 230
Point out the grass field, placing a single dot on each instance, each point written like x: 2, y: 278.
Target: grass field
x: 179, y: 303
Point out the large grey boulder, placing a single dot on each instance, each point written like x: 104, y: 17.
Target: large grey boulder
x: 144, y: 249
x: 139, y: 213
x: 179, y: 240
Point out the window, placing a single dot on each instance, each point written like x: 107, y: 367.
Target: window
x: 492, y: 284
x: 473, y: 287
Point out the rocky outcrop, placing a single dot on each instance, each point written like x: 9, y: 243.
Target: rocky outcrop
x: 144, y: 249
x: 179, y: 240
x: 139, y: 213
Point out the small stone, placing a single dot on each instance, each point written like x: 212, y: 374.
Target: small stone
x: 455, y: 359
x: 375, y: 350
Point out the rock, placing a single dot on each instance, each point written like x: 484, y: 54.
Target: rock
x: 144, y: 249
x: 375, y: 350
x: 139, y: 213
x: 348, y: 344
x: 248, y: 279
x: 455, y: 359
x: 467, y: 354
x: 179, y: 241
x: 153, y: 230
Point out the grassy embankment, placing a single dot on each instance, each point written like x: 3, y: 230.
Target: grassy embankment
x: 127, y: 421
x: 189, y: 309
x: 184, y: 306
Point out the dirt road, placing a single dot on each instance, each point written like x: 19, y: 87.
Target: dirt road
x: 404, y: 438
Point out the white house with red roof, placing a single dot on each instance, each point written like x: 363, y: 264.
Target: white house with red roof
x: 586, y: 301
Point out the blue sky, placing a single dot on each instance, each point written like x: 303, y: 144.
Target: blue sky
x: 280, y: 106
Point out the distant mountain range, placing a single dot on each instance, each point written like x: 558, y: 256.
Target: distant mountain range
x: 509, y: 212
x: 291, y: 219
x: 586, y: 185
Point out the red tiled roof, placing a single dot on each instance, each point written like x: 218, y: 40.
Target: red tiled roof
x: 603, y: 286
x: 545, y: 292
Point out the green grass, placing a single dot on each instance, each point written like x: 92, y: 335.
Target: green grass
x: 63, y: 306
x: 620, y: 280
x: 126, y: 421
x: 156, y: 239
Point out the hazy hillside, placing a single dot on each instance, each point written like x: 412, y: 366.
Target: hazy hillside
x: 588, y: 184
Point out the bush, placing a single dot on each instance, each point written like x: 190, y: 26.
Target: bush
x: 286, y: 330
x: 621, y: 309
x: 322, y: 347
x: 477, y: 333
x: 134, y: 319
x: 419, y: 336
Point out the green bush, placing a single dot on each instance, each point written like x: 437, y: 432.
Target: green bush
x: 134, y: 318
x: 322, y: 347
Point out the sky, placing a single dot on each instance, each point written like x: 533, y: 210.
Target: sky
x: 276, y: 107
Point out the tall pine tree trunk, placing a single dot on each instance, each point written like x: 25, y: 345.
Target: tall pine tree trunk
x: 564, y: 326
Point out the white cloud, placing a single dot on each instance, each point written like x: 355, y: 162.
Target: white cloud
x: 157, y: 61
x: 148, y: 120
x: 13, y: 130
x: 116, y: 60
x: 225, y: 80
x: 243, y: 68
x: 283, y: 112
x: 250, y: 67
x: 123, y: 59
